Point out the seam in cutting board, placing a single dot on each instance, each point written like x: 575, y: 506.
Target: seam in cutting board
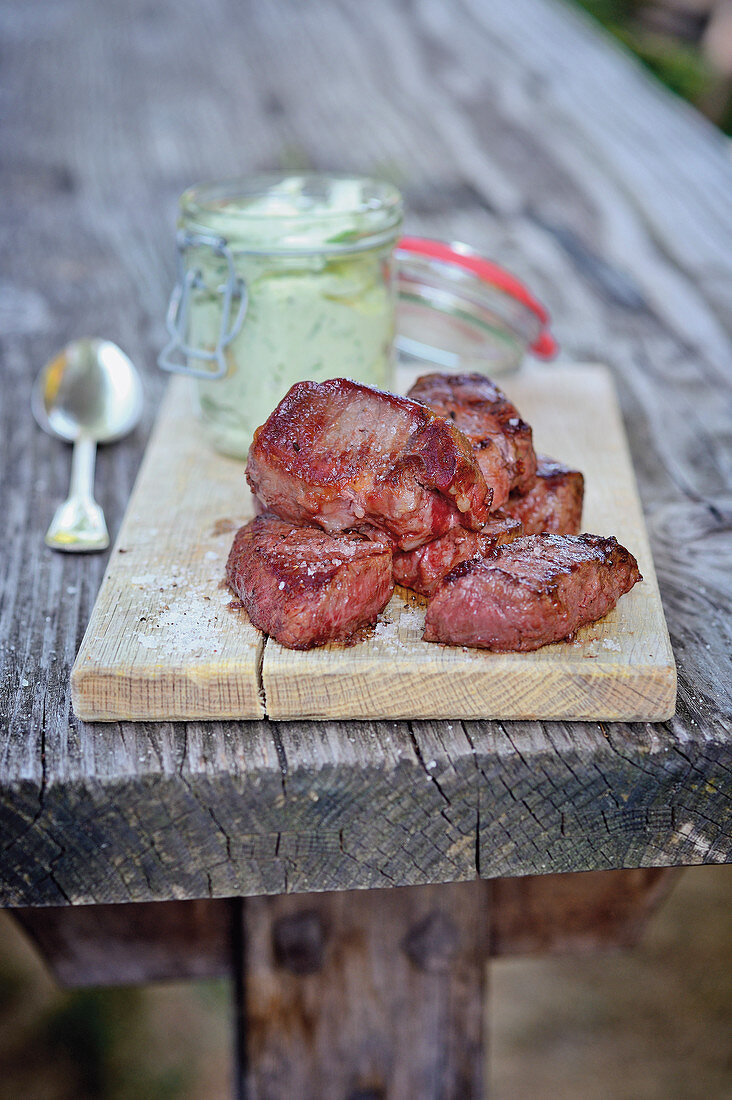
x: 260, y: 676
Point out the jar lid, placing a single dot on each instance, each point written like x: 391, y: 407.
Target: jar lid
x: 294, y: 212
x: 457, y: 309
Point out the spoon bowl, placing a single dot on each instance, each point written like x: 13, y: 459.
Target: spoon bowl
x: 90, y: 388
x: 89, y: 393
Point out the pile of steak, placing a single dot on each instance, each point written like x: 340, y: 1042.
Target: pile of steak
x: 342, y: 473
x: 305, y: 587
x: 530, y: 592
x: 441, y: 492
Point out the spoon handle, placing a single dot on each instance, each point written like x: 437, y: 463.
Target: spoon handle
x: 79, y: 522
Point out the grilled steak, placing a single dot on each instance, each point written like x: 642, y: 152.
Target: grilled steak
x: 346, y: 457
x: 530, y: 592
x: 502, y: 440
x: 304, y: 587
x: 423, y: 569
x: 552, y: 502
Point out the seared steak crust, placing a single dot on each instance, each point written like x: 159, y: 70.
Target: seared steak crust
x: 530, y: 592
x: 502, y: 440
x: 423, y: 569
x: 552, y: 502
x: 347, y: 457
x: 304, y: 587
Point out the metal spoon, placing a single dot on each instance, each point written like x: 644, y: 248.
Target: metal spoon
x: 89, y: 393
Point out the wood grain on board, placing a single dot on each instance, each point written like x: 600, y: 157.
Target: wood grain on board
x: 163, y: 644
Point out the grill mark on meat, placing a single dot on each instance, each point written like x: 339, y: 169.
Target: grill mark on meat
x: 424, y: 568
x: 552, y: 502
x: 530, y: 592
x: 349, y: 457
x: 304, y: 587
x: 501, y: 439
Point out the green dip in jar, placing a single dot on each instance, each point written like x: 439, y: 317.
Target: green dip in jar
x: 283, y: 277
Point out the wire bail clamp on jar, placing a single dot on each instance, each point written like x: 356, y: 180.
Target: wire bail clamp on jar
x: 177, y: 317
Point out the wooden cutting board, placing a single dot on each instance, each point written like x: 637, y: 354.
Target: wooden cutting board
x: 163, y: 644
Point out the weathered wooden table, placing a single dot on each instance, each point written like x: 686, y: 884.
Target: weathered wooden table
x: 514, y: 126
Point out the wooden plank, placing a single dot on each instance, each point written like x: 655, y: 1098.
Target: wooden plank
x: 94, y: 945
x: 597, y: 912
x: 366, y: 995
x: 161, y: 642
x: 620, y: 668
x: 101, y: 945
x: 149, y: 811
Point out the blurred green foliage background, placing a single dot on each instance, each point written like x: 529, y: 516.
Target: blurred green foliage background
x: 686, y: 43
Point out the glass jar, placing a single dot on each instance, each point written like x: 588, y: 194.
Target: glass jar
x: 458, y: 311
x: 282, y: 277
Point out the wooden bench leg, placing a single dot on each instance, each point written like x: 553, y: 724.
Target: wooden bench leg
x: 365, y: 994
